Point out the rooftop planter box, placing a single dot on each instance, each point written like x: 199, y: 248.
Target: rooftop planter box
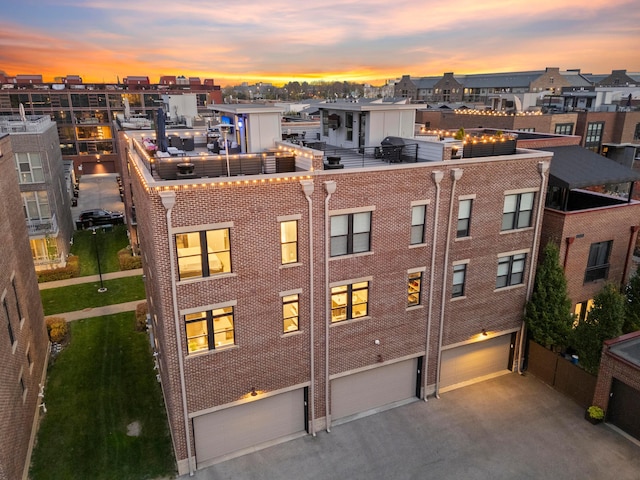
x: 488, y: 146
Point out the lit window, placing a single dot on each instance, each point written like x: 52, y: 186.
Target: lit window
x: 414, y: 289
x: 350, y: 233
x: 517, y: 211
x: 459, y: 277
x: 192, y: 260
x: 511, y: 270
x: 289, y: 241
x: 598, y: 262
x: 349, y: 301
x: 210, y: 329
x: 582, y: 311
x: 290, y: 304
x: 464, y: 218
x: 418, y: 216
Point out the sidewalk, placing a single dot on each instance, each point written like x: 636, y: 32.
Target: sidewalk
x: 97, y: 311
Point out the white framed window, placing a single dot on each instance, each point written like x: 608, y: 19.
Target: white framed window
x: 418, y: 220
x: 350, y: 233
x: 414, y: 289
x: 36, y: 205
x: 458, y: 287
x: 204, y: 253
x: 210, y: 329
x: 289, y: 241
x: 349, y: 301
x: 290, y: 313
x: 464, y: 218
x: 29, y: 167
x: 517, y: 211
x: 511, y: 270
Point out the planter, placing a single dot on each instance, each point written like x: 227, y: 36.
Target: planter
x: 593, y: 421
x: 591, y: 417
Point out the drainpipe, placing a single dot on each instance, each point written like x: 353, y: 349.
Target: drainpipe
x: 436, y: 176
x: 632, y: 241
x: 330, y: 187
x: 168, y: 201
x: 455, y: 174
x: 543, y: 167
x: 307, y: 188
x: 569, y: 241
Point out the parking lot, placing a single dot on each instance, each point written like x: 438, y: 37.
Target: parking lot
x: 510, y: 427
x: 98, y: 191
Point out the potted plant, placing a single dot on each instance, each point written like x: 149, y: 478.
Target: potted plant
x: 594, y: 414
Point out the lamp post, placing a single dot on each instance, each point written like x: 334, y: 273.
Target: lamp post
x: 225, y: 129
x: 102, y: 288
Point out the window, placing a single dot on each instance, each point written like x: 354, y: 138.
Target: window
x: 12, y: 338
x: 418, y: 216
x: 636, y: 133
x: 290, y: 304
x: 582, y: 311
x: 598, y: 263
x: 203, y: 254
x: 29, y: 167
x: 325, y: 124
x: 15, y: 293
x: 349, y: 301
x: 36, y: 206
x: 350, y: 233
x: 511, y: 270
x: 517, y: 211
x: 210, y: 330
x: 348, y: 123
x: 414, y: 290
x: 564, y: 129
x: 593, y: 136
x: 459, y: 277
x: 464, y: 218
x: 289, y: 241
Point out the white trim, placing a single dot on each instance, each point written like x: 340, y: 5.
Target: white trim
x: 466, y: 261
x: 371, y: 367
x: 200, y: 228
x: 475, y: 340
x: 187, y: 311
x: 417, y: 269
x: 514, y: 252
x: 521, y: 190
x: 503, y: 232
x: 471, y: 196
x: 350, y: 282
x: 351, y: 255
x: 288, y: 218
x: 288, y: 265
x: 346, y: 211
x: 210, y: 277
x: 417, y: 203
x: 291, y: 292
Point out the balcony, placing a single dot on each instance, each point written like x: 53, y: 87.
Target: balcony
x: 42, y: 228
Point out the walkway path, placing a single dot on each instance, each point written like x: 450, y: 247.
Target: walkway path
x: 96, y: 311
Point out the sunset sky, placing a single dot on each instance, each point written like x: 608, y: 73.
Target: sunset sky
x: 366, y: 41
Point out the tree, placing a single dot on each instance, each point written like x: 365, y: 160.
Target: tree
x: 632, y: 314
x: 604, y: 321
x: 548, y: 313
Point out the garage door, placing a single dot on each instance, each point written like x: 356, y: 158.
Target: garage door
x: 475, y: 360
x: 373, y: 388
x: 226, y: 431
x: 624, y: 408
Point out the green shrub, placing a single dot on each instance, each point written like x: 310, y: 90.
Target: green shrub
x: 71, y: 270
x: 57, y: 328
x: 141, y: 317
x: 595, y: 412
x: 128, y: 261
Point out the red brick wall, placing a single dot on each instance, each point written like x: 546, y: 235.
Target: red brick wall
x: 17, y: 408
x: 611, y: 366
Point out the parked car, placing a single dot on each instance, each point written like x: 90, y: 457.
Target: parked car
x: 98, y: 216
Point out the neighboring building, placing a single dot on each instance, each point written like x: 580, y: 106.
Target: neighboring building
x: 23, y: 336
x: 284, y: 296
x: 85, y: 112
x: 46, y: 194
x: 618, y: 387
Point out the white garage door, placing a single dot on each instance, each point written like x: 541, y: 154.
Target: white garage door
x: 226, y: 431
x: 373, y: 388
x: 468, y: 362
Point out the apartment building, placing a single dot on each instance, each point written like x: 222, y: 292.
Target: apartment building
x: 23, y: 336
x: 286, y: 299
x: 45, y: 192
x: 85, y: 112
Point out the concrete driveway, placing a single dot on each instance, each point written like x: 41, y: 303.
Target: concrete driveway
x: 98, y: 191
x: 510, y: 427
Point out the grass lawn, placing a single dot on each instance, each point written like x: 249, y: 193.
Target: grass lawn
x: 98, y: 385
x: 85, y: 295
x: 108, y: 243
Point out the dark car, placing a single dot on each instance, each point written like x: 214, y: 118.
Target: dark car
x: 98, y: 216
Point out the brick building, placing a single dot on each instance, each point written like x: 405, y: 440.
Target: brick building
x: 23, y: 335
x: 283, y: 301
x: 45, y: 187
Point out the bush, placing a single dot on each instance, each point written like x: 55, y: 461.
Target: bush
x: 127, y: 260
x: 595, y: 412
x: 71, y: 270
x: 141, y: 317
x: 57, y: 329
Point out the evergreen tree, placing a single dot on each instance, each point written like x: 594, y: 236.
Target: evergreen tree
x: 603, y: 322
x: 548, y: 313
x: 632, y: 316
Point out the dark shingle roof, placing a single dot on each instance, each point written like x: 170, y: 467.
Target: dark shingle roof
x: 576, y: 167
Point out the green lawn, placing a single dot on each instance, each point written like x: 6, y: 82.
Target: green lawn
x: 85, y: 295
x: 107, y: 242
x: 100, y: 383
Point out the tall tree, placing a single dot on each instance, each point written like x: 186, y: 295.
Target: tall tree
x: 548, y: 313
x: 604, y: 321
x: 632, y: 316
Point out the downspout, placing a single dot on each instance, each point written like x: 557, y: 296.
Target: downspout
x: 455, y: 174
x: 436, y: 176
x: 543, y: 167
x: 168, y: 201
x: 632, y: 241
x: 569, y: 241
x: 330, y: 187
x: 307, y: 188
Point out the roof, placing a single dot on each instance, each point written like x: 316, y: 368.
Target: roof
x: 576, y: 167
x: 626, y: 347
x: 500, y: 80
